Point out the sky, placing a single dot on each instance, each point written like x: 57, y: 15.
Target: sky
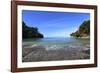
x: 54, y: 24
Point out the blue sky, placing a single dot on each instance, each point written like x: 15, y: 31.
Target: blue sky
x: 54, y: 24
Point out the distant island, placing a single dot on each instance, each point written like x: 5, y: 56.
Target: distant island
x: 83, y: 31
x: 30, y: 32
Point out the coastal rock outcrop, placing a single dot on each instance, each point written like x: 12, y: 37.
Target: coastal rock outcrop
x: 30, y: 32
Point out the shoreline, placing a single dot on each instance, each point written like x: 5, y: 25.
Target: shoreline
x: 87, y: 37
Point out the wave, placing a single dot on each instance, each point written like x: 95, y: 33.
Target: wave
x: 30, y: 46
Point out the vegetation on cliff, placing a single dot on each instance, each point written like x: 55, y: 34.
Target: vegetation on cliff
x: 30, y: 32
x: 83, y: 31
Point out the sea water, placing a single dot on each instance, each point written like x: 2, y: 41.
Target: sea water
x: 57, y: 42
x: 54, y: 48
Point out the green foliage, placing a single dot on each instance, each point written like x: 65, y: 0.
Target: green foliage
x: 30, y: 32
x: 76, y: 34
x: 83, y: 31
x: 85, y: 27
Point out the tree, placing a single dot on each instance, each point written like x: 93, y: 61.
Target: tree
x: 30, y: 32
x: 84, y: 30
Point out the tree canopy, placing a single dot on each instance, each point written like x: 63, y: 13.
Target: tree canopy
x: 83, y: 31
x: 30, y: 32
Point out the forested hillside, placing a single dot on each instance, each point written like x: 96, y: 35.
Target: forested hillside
x: 30, y: 32
x: 83, y: 31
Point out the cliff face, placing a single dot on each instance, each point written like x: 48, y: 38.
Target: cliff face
x: 83, y: 31
x: 30, y: 32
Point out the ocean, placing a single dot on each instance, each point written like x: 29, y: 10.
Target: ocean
x: 57, y: 41
x: 53, y: 49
